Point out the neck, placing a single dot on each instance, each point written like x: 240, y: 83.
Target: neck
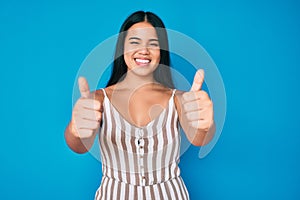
x: 133, y: 81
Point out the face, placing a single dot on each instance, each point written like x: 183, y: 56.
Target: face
x: 141, y: 49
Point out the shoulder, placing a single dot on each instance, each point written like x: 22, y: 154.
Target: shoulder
x: 178, y: 100
x: 164, y: 90
x: 178, y: 95
x: 99, y: 94
x: 161, y: 93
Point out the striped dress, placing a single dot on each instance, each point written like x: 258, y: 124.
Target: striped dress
x: 140, y: 163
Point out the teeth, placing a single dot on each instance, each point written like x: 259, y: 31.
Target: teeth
x: 142, y: 60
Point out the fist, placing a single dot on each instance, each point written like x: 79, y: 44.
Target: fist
x: 197, y: 106
x: 86, y: 114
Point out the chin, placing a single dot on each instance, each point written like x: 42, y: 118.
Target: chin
x: 144, y: 70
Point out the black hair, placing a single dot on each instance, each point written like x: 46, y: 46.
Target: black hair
x: 162, y: 74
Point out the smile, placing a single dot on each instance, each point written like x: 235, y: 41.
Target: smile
x: 142, y: 61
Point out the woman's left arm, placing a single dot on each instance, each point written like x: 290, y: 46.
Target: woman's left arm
x: 196, y: 115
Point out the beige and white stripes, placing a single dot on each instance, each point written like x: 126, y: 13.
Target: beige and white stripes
x: 140, y: 163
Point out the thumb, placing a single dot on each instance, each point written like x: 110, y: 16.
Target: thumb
x: 198, y: 80
x: 83, y: 87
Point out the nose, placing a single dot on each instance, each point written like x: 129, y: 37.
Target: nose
x: 144, y: 50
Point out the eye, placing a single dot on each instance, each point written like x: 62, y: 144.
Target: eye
x: 134, y: 42
x: 154, y: 44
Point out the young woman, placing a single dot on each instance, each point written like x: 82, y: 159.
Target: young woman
x: 137, y: 117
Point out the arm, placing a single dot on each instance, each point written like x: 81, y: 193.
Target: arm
x: 86, y: 117
x: 75, y: 142
x: 195, y: 110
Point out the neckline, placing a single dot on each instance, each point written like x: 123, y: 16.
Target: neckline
x: 147, y: 125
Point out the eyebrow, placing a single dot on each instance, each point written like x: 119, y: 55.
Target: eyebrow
x: 136, y: 38
x: 151, y: 40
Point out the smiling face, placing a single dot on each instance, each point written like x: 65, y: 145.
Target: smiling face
x: 141, y: 49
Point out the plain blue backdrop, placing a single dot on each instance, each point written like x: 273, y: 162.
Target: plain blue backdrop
x: 255, y: 45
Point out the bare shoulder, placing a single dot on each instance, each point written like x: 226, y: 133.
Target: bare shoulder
x: 98, y: 95
x: 162, y: 92
x: 178, y: 100
x: 178, y: 95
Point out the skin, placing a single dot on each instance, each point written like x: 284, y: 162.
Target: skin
x: 131, y: 96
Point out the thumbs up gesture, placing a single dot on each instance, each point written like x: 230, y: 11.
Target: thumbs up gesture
x: 197, y: 107
x: 86, y: 115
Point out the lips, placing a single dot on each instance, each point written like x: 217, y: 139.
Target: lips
x: 142, y: 61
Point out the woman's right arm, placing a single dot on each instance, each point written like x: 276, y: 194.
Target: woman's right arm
x: 85, y: 123
x: 76, y: 142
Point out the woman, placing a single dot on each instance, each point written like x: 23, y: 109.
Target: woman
x: 137, y: 117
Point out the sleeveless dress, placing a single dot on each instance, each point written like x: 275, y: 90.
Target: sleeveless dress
x: 140, y: 163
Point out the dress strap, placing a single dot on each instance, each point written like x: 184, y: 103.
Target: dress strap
x: 104, y: 92
x: 173, y: 93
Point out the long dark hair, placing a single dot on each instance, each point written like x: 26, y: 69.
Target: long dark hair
x: 162, y: 74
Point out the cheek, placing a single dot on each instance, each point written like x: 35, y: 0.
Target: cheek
x: 127, y: 58
x: 156, y: 55
x: 127, y: 54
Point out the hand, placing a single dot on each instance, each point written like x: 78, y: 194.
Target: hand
x: 86, y: 115
x: 197, y: 106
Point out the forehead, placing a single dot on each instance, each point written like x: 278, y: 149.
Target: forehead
x: 143, y: 30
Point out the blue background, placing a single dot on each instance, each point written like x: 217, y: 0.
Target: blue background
x: 255, y: 45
